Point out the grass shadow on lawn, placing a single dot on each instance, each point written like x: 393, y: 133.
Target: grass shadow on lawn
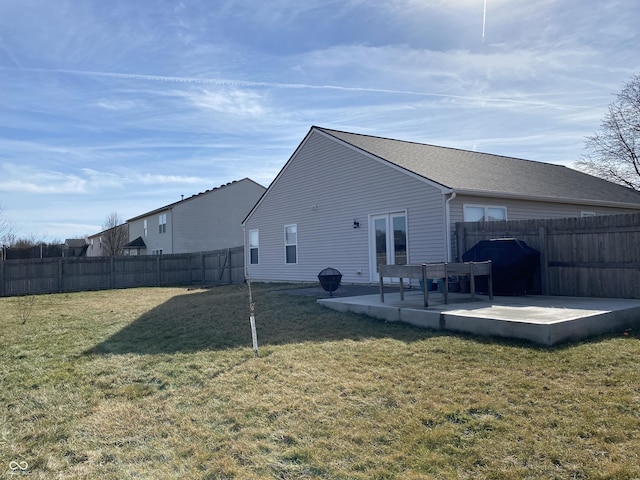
x: 218, y: 319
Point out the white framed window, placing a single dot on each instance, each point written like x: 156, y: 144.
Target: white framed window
x: 254, y: 245
x: 484, y: 213
x: 146, y: 227
x: 291, y: 243
x: 162, y: 223
x: 587, y: 214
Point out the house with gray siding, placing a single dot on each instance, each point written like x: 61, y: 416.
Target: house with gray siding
x: 210, y: 220
x: 353, y: 202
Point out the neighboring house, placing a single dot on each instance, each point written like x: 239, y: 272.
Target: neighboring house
x: 74, y: 247
x: 98, y: 242
x: 210, y: 220
x: 95, y: 245
x: 352, y: 202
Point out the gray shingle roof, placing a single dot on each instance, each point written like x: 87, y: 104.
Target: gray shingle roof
x: 487, y: 174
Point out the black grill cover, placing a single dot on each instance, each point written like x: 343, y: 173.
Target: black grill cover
x: 513, y: 265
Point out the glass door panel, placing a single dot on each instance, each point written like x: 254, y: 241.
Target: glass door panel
x: 380, y: 231
x: 399, y: 239
x: 388, y: 242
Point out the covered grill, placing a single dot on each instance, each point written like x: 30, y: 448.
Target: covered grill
x: 514, y: 264
x: 330, y: 279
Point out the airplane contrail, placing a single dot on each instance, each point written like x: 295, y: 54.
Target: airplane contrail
x: 484, y: 19
x: 256, y: 84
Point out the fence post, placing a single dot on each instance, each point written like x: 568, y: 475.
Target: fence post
x: 228, y: 262
x: 544, y: 261
x: 2, y: 278
x: 203, y: 268
x: 112, y: 273
x: 60, y: 278
x: 158, y: 274
x: 224, y: 265
x: 461, y: 234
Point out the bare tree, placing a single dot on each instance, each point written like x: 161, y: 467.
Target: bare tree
x: 115, y: 235
x: 32, y: 240
x: 614, y: 149
x: 6, y: 229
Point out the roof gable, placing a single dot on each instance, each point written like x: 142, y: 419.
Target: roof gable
x: 487, y: 174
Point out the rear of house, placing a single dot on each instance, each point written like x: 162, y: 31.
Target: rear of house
x: 353, y: 202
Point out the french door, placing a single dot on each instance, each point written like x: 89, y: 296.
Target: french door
x: 388, y: 241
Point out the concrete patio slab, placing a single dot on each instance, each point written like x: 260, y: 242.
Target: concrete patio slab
x: 543, y: 320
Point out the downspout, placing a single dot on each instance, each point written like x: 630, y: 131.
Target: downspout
x: 244, y: 251
x: 447, y: 229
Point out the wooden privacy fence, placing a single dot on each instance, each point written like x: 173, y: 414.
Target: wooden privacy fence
x: 587, y: 257
x: 73, y: 274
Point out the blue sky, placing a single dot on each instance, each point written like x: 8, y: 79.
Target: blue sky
x: 123, y: 106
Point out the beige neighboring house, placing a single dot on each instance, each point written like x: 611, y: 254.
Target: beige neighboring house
x: 96, y: 242
x: 210, y: 220
x: 353, y: 202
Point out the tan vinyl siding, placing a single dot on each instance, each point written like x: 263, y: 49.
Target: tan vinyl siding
x: 529, y: 209
x: 524, y: 210
x: 213, y: 220
x: 323, y: 188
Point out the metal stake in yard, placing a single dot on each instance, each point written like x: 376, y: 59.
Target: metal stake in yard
x: 254, y: 334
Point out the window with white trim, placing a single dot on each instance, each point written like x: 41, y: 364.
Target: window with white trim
x: 254, y: 245
x: 291, y: 243
x: 146, y: 227
x: 484, y: 213
x: 162, y: 223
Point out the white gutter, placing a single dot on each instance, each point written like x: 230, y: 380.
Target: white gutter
x: 447, y: 223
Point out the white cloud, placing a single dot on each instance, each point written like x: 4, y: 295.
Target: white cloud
x: 229, y: 101
x: 157, y: 179
x: 116, y: 104
x: 24, y: 179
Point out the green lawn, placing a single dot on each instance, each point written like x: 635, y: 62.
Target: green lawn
x: 162, y: 383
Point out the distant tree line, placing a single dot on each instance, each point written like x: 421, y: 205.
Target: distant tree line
x: 113, y: 239
x: 32, y: 247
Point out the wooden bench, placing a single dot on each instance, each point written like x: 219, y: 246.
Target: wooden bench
x: 436, y: 271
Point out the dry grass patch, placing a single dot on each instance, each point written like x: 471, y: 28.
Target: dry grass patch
x: 162, y: 383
